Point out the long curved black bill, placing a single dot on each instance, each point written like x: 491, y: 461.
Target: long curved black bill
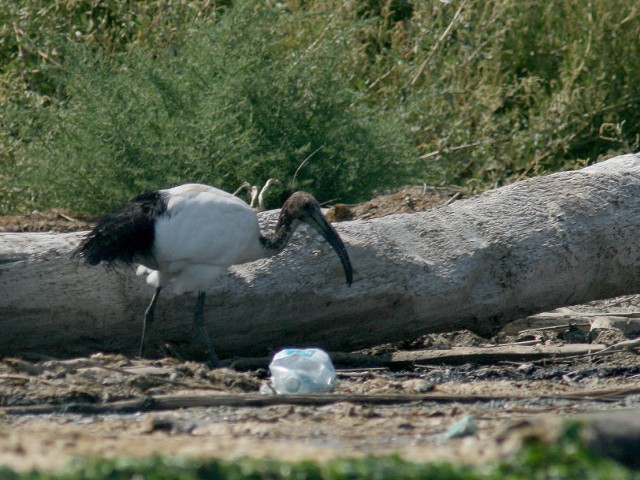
x: 322, y: 225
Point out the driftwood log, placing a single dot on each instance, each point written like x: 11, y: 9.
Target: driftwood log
x: 476, y: 264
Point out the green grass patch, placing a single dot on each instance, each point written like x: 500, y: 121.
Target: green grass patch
x: 567, y: 458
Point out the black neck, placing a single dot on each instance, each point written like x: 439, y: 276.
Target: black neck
x: 275, y: 242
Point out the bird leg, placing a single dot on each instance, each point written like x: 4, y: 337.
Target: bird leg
x: 199, y: 324
x: 149, y: 315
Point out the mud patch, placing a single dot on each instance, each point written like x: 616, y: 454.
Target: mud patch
x: 406, y: 200
x: 406, y: 408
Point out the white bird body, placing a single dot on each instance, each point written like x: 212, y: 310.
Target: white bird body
x: 189, y: 235
x: 203, y: 231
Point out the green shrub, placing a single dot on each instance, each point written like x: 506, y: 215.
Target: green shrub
x: 523, y: 88
x: 218, y: 108
x: 31, y: 32
x: 102, y: 99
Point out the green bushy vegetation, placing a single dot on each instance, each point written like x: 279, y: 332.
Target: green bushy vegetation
x: 216, y: 109
x: 103, y: 99
x: 565, y: 459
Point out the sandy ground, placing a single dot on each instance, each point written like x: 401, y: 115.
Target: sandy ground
x: 412, y: 410
x: 440, y: 397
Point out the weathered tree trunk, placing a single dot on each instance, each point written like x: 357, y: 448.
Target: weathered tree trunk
x: 478, y: 264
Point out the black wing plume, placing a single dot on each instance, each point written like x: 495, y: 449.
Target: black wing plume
x: 126, y: 233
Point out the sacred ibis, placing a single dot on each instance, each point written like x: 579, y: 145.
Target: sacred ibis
x: 244, y: 185
x: 271, y: 181
x: 188, y: 235
x: 253, y: 193
x: 257, y: 199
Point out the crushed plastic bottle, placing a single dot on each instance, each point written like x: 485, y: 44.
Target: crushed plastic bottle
x: 295, y: 370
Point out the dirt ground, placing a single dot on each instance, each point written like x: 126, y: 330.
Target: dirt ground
x: 452, y: 397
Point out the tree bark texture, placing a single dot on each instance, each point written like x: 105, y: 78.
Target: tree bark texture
x: 476, y: 264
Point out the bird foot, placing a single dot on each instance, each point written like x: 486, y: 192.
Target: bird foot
x: 203, y: 343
